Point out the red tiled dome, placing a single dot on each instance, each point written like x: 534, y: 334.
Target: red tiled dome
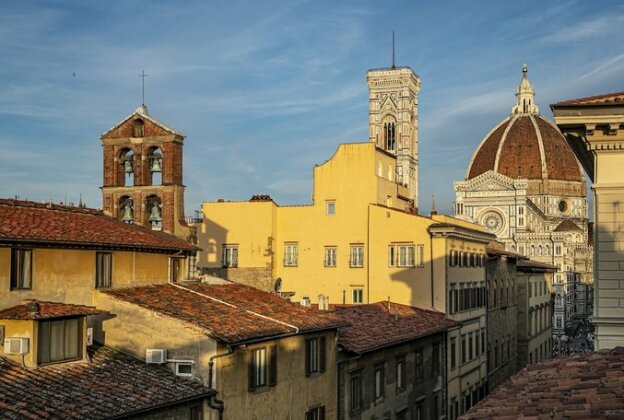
x: 525, y: 146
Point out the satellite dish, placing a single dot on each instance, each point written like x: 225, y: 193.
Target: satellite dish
x: 278, y: 285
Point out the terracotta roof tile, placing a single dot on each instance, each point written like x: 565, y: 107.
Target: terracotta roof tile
x: 110, y: 384
x: 517, y: 149
x: 35, y: 309
x: 587, y: 386
x: 373, y: 326
x: 527, y: 263
x: 607, y: 98
x: 231, y: 313
x: 567, y: 226
x: 30, y: 222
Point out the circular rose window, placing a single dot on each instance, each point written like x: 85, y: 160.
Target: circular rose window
x: 492, y: 221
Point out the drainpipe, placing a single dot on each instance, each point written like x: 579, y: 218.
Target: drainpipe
x: 213, y: 402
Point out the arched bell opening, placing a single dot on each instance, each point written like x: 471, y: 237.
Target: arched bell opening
x: 155, y: 161
x: 153, y: 205
x: 138, y: 128
x: 125, y: 211
x: 126, y: 167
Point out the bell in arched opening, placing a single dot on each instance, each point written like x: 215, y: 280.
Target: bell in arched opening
x: 128, y: 165
x: 156, y: 162
x: 155, y: 217
x: 128, y: 214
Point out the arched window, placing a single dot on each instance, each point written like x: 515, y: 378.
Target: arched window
x: 126, y: 167
x: 126, y: 210
x: 389, y: 136
x: 153, y: 205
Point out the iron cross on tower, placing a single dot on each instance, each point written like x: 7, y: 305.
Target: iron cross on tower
x: 143, y: 76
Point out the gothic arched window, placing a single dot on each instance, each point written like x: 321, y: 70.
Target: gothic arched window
x: 389, y: 136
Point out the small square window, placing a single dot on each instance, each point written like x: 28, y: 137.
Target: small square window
x: 184, y: 369
x: 330, y: 208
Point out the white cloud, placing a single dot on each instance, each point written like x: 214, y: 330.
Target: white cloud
x: 596, y: 27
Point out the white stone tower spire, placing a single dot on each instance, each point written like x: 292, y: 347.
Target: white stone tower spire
x: 393, y: 120
x: 525, y: 96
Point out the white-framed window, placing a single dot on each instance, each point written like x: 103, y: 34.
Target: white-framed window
x: 291, y: 257
x: 184, y: 368
x: 230, y: 256
x: 406, y: 255
x: 401, y: 255
x: 330, y: 256
x: 420, y: 256
x: 357, y: 296
x: 356, y: 257
x: 330, y: 207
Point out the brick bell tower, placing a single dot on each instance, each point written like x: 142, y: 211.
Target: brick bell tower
x: 143, y: 174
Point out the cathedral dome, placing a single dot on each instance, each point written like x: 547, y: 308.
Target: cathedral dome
x: 525, y: 145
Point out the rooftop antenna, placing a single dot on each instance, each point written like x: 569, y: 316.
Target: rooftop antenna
x: 143, y: 76
x: 393, y: 54
x: 433, y: 209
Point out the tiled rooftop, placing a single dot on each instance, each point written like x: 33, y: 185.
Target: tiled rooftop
x: 607, y: 98
x: 43, y: 223
x: 524, y: 149
x: 532, y: 264
x: 231, y: 313
x: 110, y: 384
x: 567, y: 226
x: 586, y: 386
x: 383, y: 324
x: 34, y: 309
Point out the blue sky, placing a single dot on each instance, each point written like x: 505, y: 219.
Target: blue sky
x: 264, y: 90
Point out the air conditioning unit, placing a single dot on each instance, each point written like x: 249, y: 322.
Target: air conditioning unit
x: 156, y: 356
x: 89, y: 336
x: 15, y: 345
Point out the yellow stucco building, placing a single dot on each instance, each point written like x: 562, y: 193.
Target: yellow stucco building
x: 362, y: 239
